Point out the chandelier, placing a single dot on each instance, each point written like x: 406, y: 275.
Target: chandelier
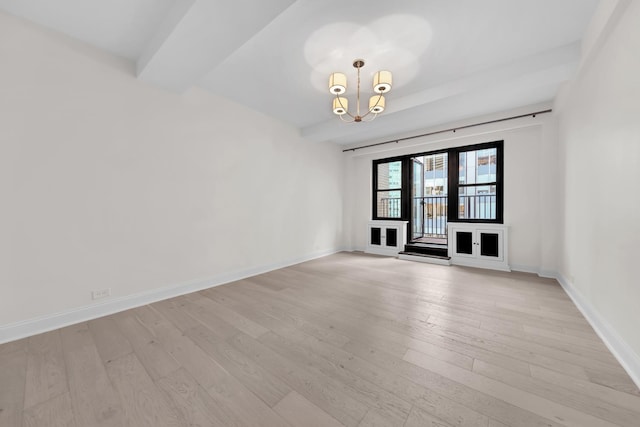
x: 382, y: 81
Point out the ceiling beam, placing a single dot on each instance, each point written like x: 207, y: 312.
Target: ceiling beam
x: 197, y: 35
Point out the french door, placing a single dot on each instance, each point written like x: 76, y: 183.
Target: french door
x: 429, y: 200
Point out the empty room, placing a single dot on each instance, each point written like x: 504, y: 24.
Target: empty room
x: 245, y: 213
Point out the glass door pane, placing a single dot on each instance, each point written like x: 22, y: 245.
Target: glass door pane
x: 436, y: 180
x: 417, y: 199
x: 430, y: 179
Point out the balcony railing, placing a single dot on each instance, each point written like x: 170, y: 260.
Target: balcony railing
x: 429, y: 213
x: 389, y: 207
x: 481, y: 206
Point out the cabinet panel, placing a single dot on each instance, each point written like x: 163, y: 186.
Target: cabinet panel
x: 489, y: 244
x: 464, y: 242
x: 479, y: 245
x: 376, y: 235
x: 386, y: 237
x: 392, y: 237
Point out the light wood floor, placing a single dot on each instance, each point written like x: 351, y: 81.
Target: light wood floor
x: 346, y: 340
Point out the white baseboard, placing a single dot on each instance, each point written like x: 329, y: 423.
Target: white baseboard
x: 534, y: 270
x: 37, y: 325
x: 354, y: 249
x: 628, y: 358
x: 526, y: 269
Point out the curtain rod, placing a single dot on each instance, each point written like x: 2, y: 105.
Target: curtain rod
x: 448, y: 130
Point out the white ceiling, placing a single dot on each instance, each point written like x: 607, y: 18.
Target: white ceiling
x: 450, y: 59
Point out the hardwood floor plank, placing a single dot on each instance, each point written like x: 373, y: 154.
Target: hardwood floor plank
x: 208, y: 318
x: 462, y: 305
x: 143, y: 403
x: 376, y: 418
x: 13, y: 371
x: 298, y: 411
x: 420, y: 418
x: 526, y: 350
x: 149, y: 351
x: 17, y: 345
x: 188, y: 355
x: 194, y: 405
x: 616, y: 379
x: 55, y: 412
x: 244, y: 405
x: 173, y: 310
x: 483, y: 403
x: 525, y: 356
x: 278, y: 315
x: 110, y: 342
x: 587, y: 388
x: 46, y: 373
x: 515, y: 396
x: 270, y: 281
x: 238, y: 303
x: 405, y: 389
x: 238, y: 401
x: 578, y: 336
x: 238, y: 321
x: 441, y: 346
x: 327, y: 394
x: 330, y: 329
x: 95, y: 402
x: 260, y: 381
x: 587, y: 404
x: 504, y: 352
x: 387, y: 404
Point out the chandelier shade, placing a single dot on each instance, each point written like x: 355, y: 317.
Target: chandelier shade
x: 340, y: 105
x: 376, y: 104
x: 337, y: 83
x: 382, y: 83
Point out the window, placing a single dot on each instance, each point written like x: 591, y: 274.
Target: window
x: 464, y: 182
x: 477, y: 183
x: 387, y: 190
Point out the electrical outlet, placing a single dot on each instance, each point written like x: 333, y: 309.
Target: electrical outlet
x: 102, y: 293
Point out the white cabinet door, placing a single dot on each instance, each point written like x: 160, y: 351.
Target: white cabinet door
x: 386, y: 237
x: 478, y: 245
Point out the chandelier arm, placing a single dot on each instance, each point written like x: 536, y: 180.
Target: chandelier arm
x: 370, y: 120
x: 347, y: 121
x: 345, y: 110
x: 371, y: 109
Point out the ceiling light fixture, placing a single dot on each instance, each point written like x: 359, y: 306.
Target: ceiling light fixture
x: 382, y: 82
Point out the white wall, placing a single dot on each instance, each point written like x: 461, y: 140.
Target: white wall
x: 599, y: 132
x: 530, y: 205
x: 106, y: 182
